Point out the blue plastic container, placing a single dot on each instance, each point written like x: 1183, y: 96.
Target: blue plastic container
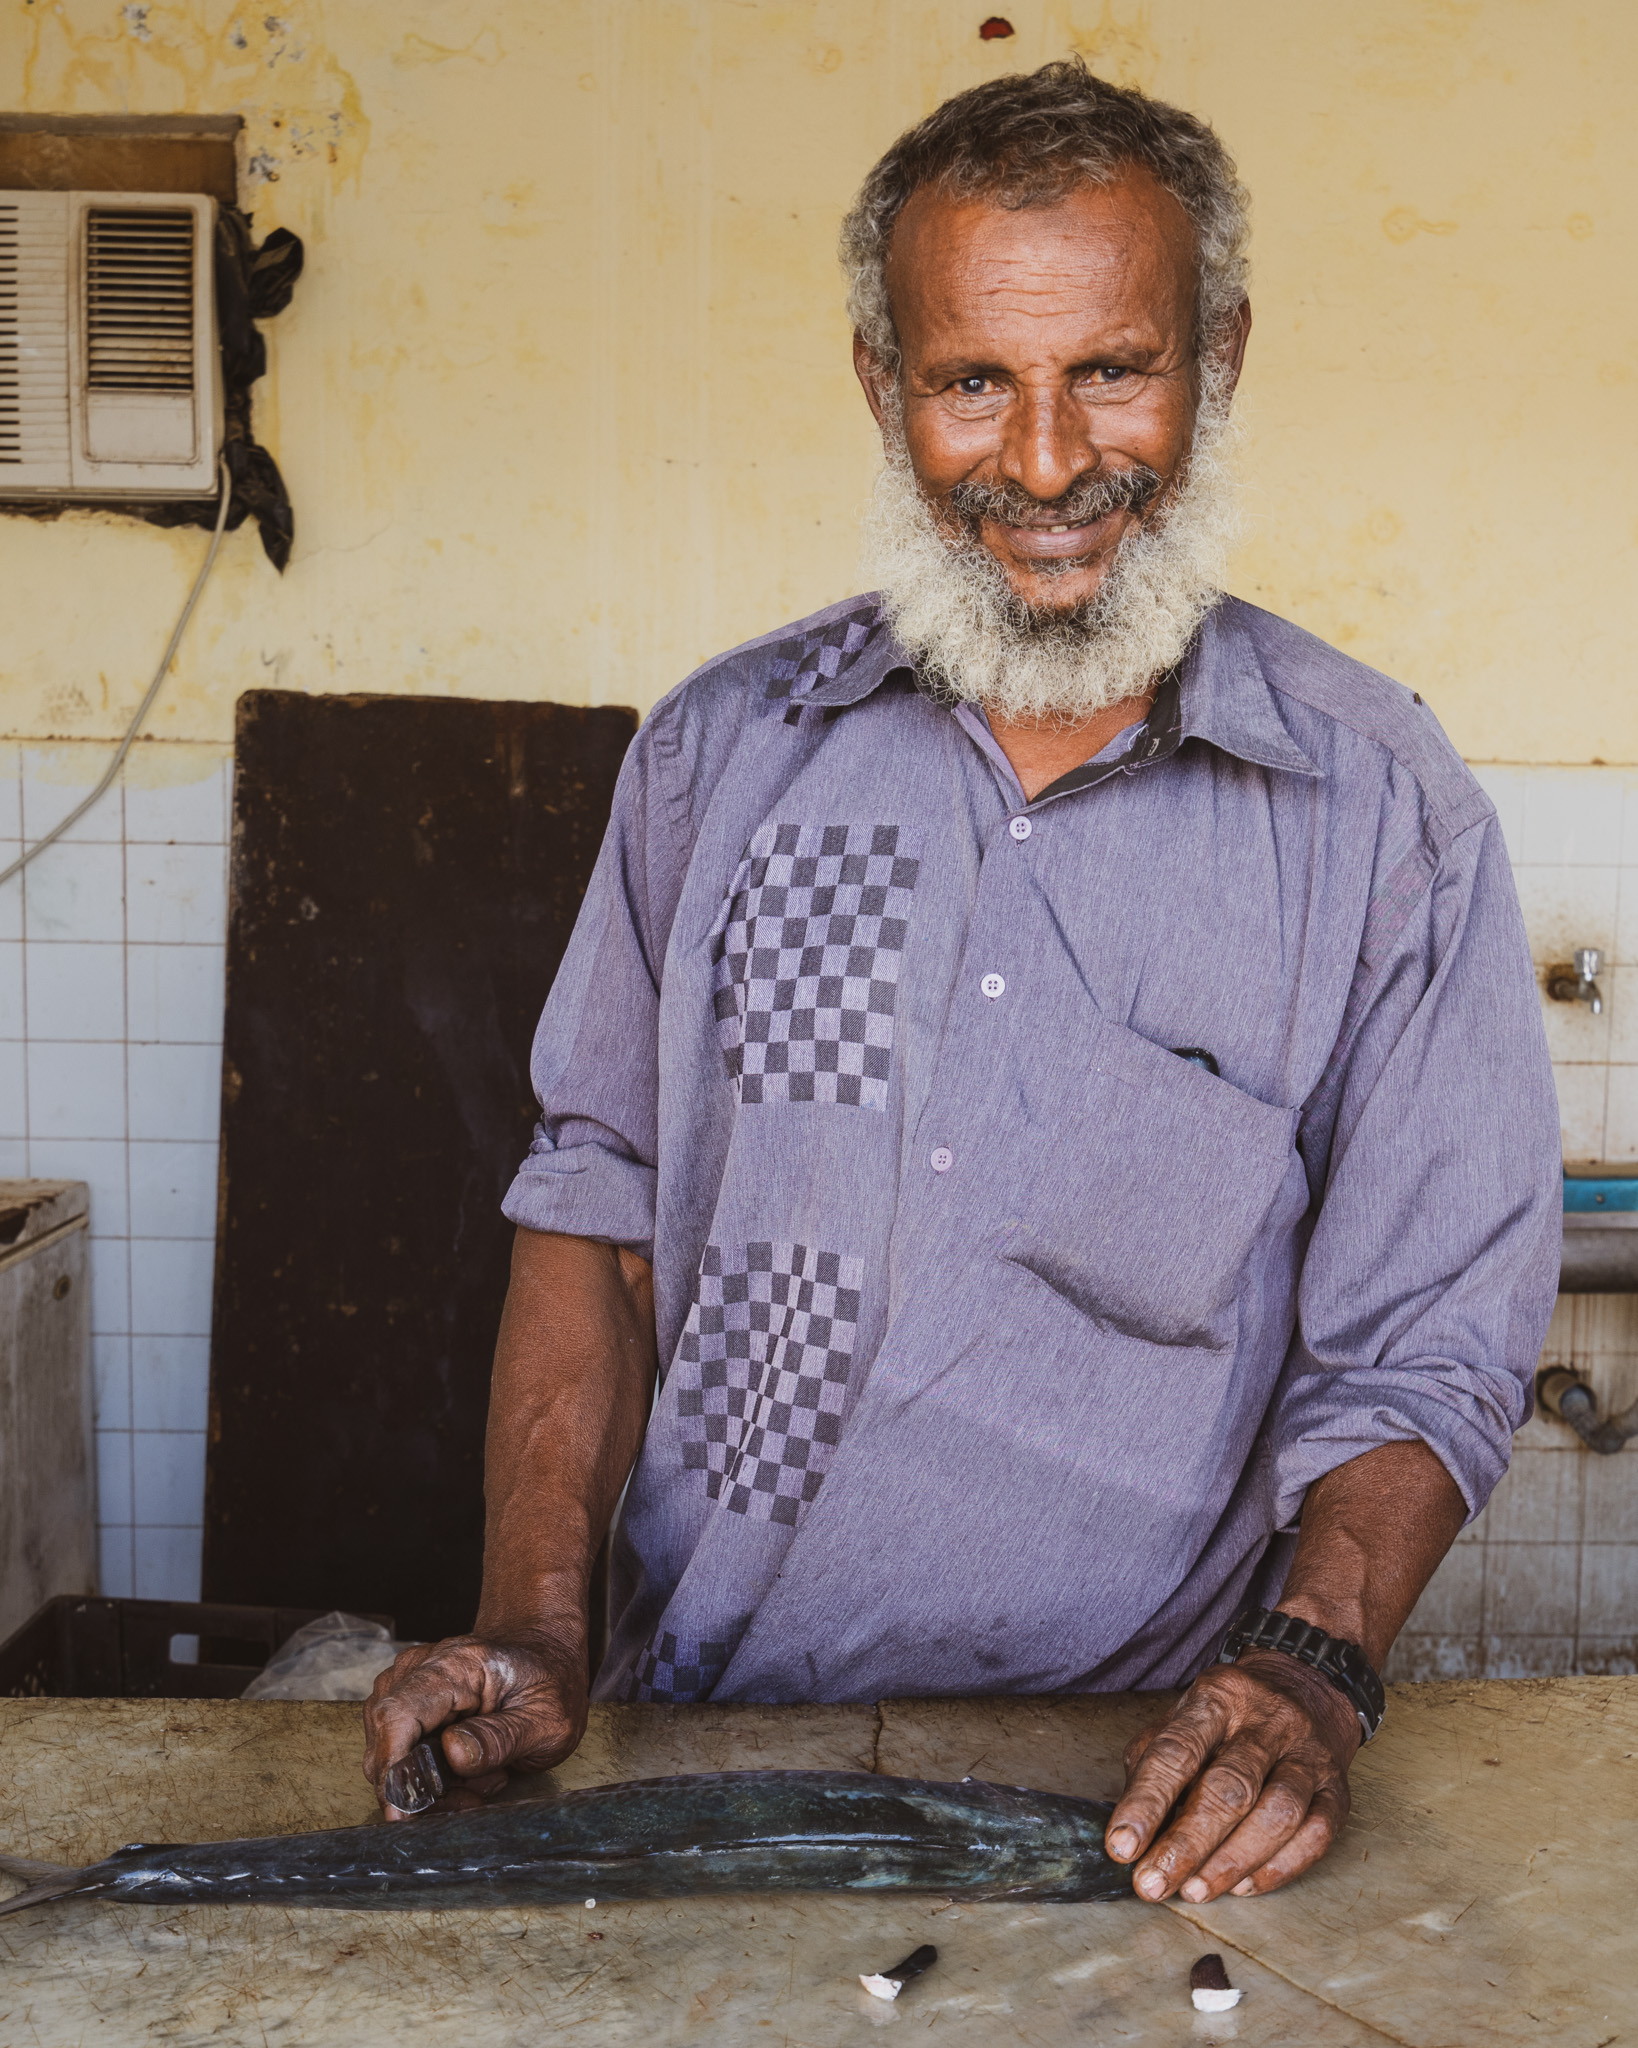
x: 1600, y: 1190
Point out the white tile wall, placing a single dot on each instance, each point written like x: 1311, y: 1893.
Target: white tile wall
x: 111, y: 974
x: 1573, y: 837
x: 1546, y: 1579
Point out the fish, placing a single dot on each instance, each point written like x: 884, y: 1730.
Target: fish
x: 652, y: 1838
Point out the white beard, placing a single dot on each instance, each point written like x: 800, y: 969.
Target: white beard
x: 948, y: 600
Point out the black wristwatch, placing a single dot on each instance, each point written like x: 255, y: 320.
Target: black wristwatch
x: 1344, y: 1664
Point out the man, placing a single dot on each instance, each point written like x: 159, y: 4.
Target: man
x: 1048, y: 1066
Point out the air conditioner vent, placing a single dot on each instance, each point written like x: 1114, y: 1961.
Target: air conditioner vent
x: 109, y: 384
x: 33, y: 338
x: 139, y: 300
x: 11, y: 397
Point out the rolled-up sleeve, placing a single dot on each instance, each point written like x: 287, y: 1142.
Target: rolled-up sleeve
x: 1433, y: 1264
x: 595, y: 1063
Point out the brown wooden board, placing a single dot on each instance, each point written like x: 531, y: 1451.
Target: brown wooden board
x: 406, y: 873
x: 37, y: 160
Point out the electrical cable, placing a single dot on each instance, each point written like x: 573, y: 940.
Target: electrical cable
x: 146, y: 705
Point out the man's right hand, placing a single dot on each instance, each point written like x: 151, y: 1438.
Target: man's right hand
x: 574, y: 1368
x: 517, y: 1705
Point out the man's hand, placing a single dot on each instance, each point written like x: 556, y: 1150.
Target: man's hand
x: 574, y: 1364
x: 517, y: 1705
x: 1265, y: 1744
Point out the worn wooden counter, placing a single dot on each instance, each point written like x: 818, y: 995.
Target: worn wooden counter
x: 1482, y: 1893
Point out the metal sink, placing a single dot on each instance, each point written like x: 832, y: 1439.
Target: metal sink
x: 1600, y: 1230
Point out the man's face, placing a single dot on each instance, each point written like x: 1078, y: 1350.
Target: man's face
x: 1049, y: 378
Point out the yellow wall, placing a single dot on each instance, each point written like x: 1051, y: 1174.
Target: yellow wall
x: 564, y: 400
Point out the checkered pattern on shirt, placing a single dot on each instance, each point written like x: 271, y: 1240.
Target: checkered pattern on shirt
x: 678, y: 1668
x: 806, y: 958
x: 761, y: 1372
x: 797, y: 667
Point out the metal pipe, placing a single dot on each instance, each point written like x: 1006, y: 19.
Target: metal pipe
x: 1599, y: 1254
x: 1576, y: 983
x: 1567, y: 1395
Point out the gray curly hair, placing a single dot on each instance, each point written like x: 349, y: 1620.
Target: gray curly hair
x: 1026, y: 140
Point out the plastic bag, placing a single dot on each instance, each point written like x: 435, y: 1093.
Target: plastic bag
x: 336, y: 1657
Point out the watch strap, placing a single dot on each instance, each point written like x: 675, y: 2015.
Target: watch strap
x: 1343, y: 1663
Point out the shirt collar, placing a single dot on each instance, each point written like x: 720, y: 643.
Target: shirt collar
x: 1225, y: 697
x: 839, y: 659
x: 1218, y: 693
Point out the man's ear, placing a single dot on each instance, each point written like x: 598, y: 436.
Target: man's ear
x: 1230, y: 351
x: 871, y: 379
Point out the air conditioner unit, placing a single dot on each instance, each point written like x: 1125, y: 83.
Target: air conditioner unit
x: 109, y: 382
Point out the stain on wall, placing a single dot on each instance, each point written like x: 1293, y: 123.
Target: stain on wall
x: 565, y: 401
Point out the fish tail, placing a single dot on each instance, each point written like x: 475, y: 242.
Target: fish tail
x: 40, y: 1894
x: 45, y: 1882
x: 31, y: 1870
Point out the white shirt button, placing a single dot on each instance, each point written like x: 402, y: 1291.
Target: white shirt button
x: 942, y: 1159
x: 1020, y: 828
x: 993, y: 986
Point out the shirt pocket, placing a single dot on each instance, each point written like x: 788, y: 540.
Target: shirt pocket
x: 1146, y: 1184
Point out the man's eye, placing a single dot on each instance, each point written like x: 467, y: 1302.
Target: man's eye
x: 1110, y: 373
x: 972, y: 387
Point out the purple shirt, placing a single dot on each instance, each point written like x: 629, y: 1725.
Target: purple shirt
x: 1000, y: 1342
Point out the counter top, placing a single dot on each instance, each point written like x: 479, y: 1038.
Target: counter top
x: 1481, y: 1892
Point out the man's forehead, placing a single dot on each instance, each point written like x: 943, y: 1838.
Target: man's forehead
x: 1129, y: 237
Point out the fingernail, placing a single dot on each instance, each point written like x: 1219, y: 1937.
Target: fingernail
x: 1151, y: 1885
x: 1195, y: 1890
x: 462, y: 1751
x: 1244, y: 1888
x: 1123, y: 1842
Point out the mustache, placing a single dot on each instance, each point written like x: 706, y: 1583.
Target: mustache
x: 1089, y: 498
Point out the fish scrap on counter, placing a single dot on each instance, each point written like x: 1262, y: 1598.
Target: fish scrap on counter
x: 889, y: 1983
x: 724, y: 1831
x: 1209, y: 1986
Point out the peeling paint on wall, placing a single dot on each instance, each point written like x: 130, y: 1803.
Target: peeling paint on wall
x: 192, y: 56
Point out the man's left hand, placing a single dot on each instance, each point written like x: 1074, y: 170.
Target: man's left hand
x: 1265, y: 1745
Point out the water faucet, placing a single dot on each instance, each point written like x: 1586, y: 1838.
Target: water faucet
x: 1578, y: 983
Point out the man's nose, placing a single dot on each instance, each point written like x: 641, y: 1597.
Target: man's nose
x: 1046, y: 446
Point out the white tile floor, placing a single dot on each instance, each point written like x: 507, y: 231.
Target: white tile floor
x: 111, y: 974
x: 111, y: 978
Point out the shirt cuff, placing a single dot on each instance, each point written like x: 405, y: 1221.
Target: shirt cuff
x: 585, y: 1191
x: 1466, y: 1418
